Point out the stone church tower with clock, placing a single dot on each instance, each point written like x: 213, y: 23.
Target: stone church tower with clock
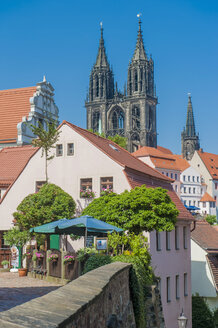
x: 131, y: 113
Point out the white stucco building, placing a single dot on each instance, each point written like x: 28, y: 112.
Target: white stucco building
x: 207, y: 165
x: 204, y: 259
x: 85, y: 161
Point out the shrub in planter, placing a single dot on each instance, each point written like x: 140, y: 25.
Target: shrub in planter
x: 5, y: 264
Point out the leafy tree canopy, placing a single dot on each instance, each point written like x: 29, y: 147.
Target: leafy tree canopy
x: 136, y: 210
x: 51, y: 203
x: 119, y: 140
x: 16, y: 237
x: 202, y: 317
x: 211, y: 219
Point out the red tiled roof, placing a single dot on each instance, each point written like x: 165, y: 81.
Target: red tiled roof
x: 164, y: 150
x: 211, y: 163
x: 205, y: 235
x: 14, y: 104
x: 137, y: 179
x: 162, y: 159
x: 207, y: 198
x: 117, y: 153
x: 213, y: 263
x: 12, y: 162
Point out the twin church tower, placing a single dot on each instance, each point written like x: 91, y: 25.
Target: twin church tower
x: 131, y: 113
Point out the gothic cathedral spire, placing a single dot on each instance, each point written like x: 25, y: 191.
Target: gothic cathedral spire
x: 131, y: 113
x: 190, y: 140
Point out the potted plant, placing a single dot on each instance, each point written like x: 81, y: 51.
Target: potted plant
x: 52, y: 257
x: 69, y: 259
x: 5, y: 264
x: 18, y: 238
x: 38, y: 255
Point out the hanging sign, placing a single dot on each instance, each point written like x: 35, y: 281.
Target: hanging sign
x: 101, y: 244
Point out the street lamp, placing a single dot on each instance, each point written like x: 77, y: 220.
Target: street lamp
x: 182, y: 320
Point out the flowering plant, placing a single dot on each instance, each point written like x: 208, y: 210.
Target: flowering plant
x: 106, y: 191
x: 87, y: 193
x: 27, y: 254
x: 37, y: 255
x: 52, y: 257
x: 69, y: 258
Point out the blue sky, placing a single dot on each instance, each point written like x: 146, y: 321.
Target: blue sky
x: 60, y: 39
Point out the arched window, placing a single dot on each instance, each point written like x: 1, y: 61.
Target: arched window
x: 150, y: 118
x: 135, y: 118
x: 95, y: 121
x: 136, y: 81
x: 97, y: 86
x: 116, y: 119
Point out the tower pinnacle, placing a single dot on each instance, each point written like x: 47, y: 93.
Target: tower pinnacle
x: 139, y: 53
x: 101, y: 60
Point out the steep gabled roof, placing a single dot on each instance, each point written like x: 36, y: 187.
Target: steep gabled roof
x: 211, y: 162
x: 205, y: 236
x: 117, y: 153
x: 13, y: 160
x: 14, y: 104
x: 213, y: 264
x: 207, y: 198
x: 164, y: 150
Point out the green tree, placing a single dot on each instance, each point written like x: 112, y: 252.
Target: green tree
x: 119, y: 140
x: 211, y: 219
x: 136, y: 210
x: 51, y: 203
x: 46, y: 138
x: 202, y: 317
x: 16, y: 237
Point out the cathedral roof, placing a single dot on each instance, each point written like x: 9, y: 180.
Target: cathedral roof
x: 13, y: 160
x: 101, y: 60
x: 14, y: 104
x: 139, y: 53
x: 211, y: 162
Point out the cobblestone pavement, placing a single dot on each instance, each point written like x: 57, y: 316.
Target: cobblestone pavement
x: 15, y: 290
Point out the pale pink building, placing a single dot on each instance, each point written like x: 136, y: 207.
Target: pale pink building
x: 85, y: 161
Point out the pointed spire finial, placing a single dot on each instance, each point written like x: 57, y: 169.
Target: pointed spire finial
x: 139, y: 53
x: 44, y: 78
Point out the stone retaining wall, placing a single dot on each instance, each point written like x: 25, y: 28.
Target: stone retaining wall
x: 100, y: 298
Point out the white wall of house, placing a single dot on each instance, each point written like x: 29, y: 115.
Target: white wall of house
x: 207, y: 208
x: 191, y: 187
x: 169, y: 264
x: 202, y: 279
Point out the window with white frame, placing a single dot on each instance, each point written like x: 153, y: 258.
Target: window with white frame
x: 185, y: 284
x: 168, y: 289
x: 197, y: 179
x: 70, y: 149
x: 176, y: 176
x: 188, y: 177
x: 193, y: 190
x: 171, y: 175
x: 177, y: 238
x: 184, y: 190
x: 177, y: 287
x: 204, y: 204
x: 158, y: 241
x: 189, y: 190
x: 168, y: 240
x: 189, y: 202
x: 183, y: 177
x: 193, y: 179
x: 59, y: 150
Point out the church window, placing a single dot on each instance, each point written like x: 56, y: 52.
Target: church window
x: 106, y: 184
x: 150, y: 121
x: 70, y: 149
x: 96, y: 121
x: 97, y: 86
x: 135, y: 118
x: 136, y: 81
x: 59, y: 150
x: 117, y: 119
x: 39, y: 185
x: 135, y: 141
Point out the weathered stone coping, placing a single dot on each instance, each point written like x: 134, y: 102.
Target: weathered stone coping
x: 61, y: 307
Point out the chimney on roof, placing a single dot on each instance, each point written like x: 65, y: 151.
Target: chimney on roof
x: 201, y: 150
